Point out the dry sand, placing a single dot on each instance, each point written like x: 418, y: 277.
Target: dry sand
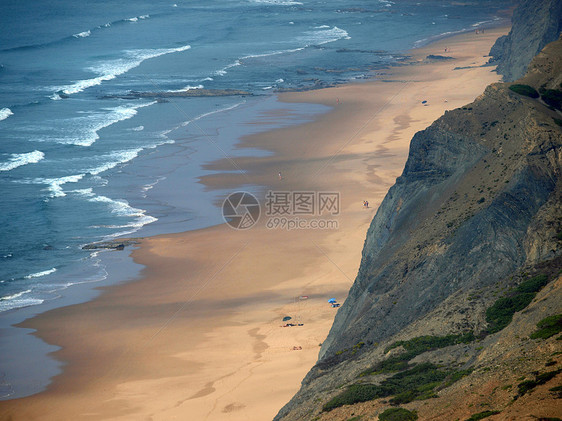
x: 199, y: 337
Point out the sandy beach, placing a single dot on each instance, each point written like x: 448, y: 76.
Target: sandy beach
x: 200, y: 336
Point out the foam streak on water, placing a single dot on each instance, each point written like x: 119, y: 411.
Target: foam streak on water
x: 108, y: 70
x: 40, y: 274
x: 83, y: 130
x: 18, y: 160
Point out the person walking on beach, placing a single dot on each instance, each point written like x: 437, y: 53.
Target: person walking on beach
x: 280, y: 176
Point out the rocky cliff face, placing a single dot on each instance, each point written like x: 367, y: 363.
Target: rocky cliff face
x: 535, y: 24
x: 475, y: 218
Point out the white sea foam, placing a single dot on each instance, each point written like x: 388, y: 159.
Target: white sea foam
x: 84, y: 129
x: 83, y: 192
x: 20, y: 159
x: 323, y: 36
x: 220, y: 110
x: 82, y: 34
x: 238, y: 62
x: 137, y: 129
x: 267, y: 88
x: 164, y: 134
x: 114, y: 159
x: 40, y: 274
x: 277, y: 2
x: 477, y: 24
x: 187, y: 88
x: 122, y: 208
x: 271, y: 53
x: 54, y: 185
x: 110, y: 69
x: 5, y: 113
x: 223, y: 71
x: 150, y: 186
x: 16, y: 300
x: 136, y: 18
x: 16, y: 295
x: 424, y: 41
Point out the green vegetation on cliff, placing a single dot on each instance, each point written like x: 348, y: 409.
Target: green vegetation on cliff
x: 482, y: 415
x: 415, y: 347
x: 525, y: 90
x: 421, y: 344
x: 416, y: 383
x: 552, y: 97
x: 529, y: 385
x: 548, y: 327
x: 499, y: 315
x: 398, y: 414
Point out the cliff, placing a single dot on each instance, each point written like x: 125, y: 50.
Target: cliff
x: 535, y: 23
x: 460, y: 264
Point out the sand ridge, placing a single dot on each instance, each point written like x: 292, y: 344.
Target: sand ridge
x: 199, y: 337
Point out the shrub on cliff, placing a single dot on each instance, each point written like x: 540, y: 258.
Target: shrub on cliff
x: 416, y: 383
x: 529, y: 385
x: 533, y: 285
x: 482, y: 415
x: 525, y: 90
x: 398, y: 414
x: 500, y: 314
x: 354, y: 394
x: 421, y: 344
x: 548, y: 327
x: 415, y: 347
x: 552, y: 97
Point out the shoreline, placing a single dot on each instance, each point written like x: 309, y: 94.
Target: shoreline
x: 229, y: 307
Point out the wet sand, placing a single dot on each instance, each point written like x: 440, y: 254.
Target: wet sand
x: 200, y: 335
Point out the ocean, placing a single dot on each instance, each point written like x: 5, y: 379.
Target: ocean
x: 81, y: 162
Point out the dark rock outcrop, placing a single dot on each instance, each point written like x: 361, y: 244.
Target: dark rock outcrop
x: 437, y: 57
x: 535, y: 24
x: 477, y: 203
x: 110, y: 245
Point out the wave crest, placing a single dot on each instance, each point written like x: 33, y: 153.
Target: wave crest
x: 83, y: 34
x: 36, y: 275
x: 277, y: 2
x: 110, y: 69
x: 18, y: 160
x: 5, y: 113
